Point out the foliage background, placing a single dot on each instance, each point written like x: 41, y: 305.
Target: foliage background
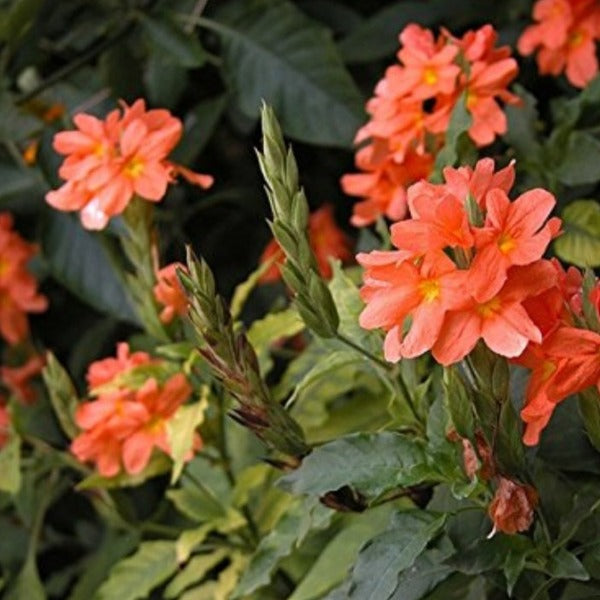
x: 316, y: 62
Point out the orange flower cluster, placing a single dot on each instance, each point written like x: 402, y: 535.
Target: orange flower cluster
x: 169, y: 293
x: 110, y: 161
x: 411, y: 111
x: 565, y: 38
x: 326, y: 239
x: 125, y: 422
x: 457, y: 279
x: 567, y: 359
x: 18, y: 287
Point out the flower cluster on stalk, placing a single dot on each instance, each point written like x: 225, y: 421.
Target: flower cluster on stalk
x: 109, y: 161
x: 411, y: 111
x: 127, y: 418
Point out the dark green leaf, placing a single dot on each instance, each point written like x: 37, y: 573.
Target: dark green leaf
x: 460, y: 403
x: 580, y: 160
x: 373, y: 463
x: 62, y: 395
x: 273, y: 52
x: 183, y: 48
x: 456, y: 135
x: 510, y: 453
x: 380, y: 563
x: 565, y: 565
x: 78, y: 260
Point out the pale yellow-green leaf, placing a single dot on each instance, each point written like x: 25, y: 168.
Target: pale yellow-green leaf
x: 244, y: 289
x: 580, y: 242
x: 63, y: 396
x: 190, y: 539
x: 10, y: 464
x: 193, y: 572
x: 181, y: 429
x: 248, y: 480
x: 136, y: 576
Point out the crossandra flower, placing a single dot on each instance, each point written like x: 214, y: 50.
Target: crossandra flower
x: 411, y: 111
x: 450, y: 283
x: 109, y: 161
x: 17, y: 379
x: 564, y: 37
x: 512, y: 508
x: 18, y: 287
x: 127, y: 419
x: 169, y: 293
x: 326, y: 239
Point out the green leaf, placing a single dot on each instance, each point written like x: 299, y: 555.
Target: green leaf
x: 165, y: 80
x: 277, y: 544
x: 340, y: 553
x: 273, y: 52
x: 580, y: 242
x: 197, y: 504
x: 380, y: 562
x: 456, y: 135
x: 372, y: 463
x: 521, y: 133
x: 194, y: 572
x: 510, y: 452
x: 459, y: 402
x: 580, y: 160
x: 78, y: 260
x: 565, y: 565
x: 136, y: 576
x: 62, y: 395
x: 19, y: 19
x: 243, y: 290
x: 167, y: 36
x: 377, y: 36
x: 113, y: 548
x: 28, y: 585
x: 589, y: 408
x: 10, y: 464
x: 424, y: 575
x: 181, y: 429
x: 266, y: 331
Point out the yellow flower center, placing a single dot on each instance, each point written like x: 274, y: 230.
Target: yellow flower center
x: 506, y: 243
x: 576, y: 39
x: 548, y: 367
x: 430, y: 76
x: 489, y: 308
x: 430, y: 289
x: 471, y: 99
x: 134, y: 167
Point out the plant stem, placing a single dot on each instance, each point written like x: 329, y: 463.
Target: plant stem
x: 342, y: 338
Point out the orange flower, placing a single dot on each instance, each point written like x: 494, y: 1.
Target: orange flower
x: 106, y: 370
x: 4, y: 423
x: 18, y: 287
x: 169, y: 293
x: 122, y: 427
x: 411, y: 110
x: 565, y: 37
x: 512, y: 507
x: 326, y: 239
x: 383, y: 186
x: 17, y: 379
x: 110, y: 161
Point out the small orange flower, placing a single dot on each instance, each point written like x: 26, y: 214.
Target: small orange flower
x: 169, y: 293
x: 326, y: 239
x: 121, y: 428
x: 18, y: 287
x: 565, y: 39
x: 110, y: 161
x: 18, y: 379
x: 512, y: 508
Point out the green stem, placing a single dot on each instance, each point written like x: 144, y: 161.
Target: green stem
x: 546, y: 585
x: 342, y: 338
